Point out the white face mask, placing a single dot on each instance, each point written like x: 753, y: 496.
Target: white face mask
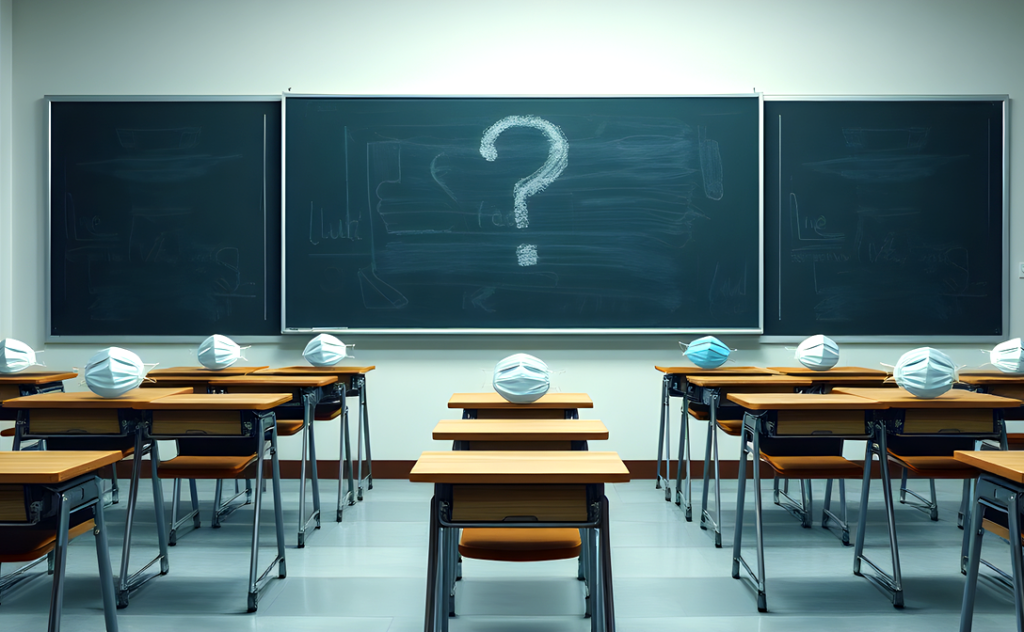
x: 707, y: 352
x: 113, y: 372
x: 325, y: 350
x: 521, y: 378
x: 218, y: 352
x: 15, y: 356
x: 818, y: 353
x: 925, y: 372
x: 1008, y: 356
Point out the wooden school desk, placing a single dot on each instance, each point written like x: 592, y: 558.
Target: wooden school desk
x: 28, y: 383
x: 1000, y: 489
x: 245, y: 417
x: 708, y: 391
x: 519, y: 434
x: 837, y: 376
x: 84, y: 420
x: 938, y: 425
x: 674, y: 384
x: 486, y: 489
x: 783, y: 417
x: 309, y: 390
x: 200, y: 371
x: 494, y: 406
x: 39, y: 493
x: 351, y: 381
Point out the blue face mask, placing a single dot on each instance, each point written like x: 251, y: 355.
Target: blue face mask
x: 818, y: 353
x: 113, y: 372
x: 707, y: 352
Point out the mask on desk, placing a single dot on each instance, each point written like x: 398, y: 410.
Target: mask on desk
x: 707, y: 352
x: 818, y: 353
x: 325, y: 350
x: 113, y: 372
x: 521, y: 378
x: 1008, y: 356
x: 218, y: 352
x: 15, y: 356
x: 925, y: 372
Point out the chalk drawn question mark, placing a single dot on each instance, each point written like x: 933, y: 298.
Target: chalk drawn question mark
x: 558, y: 159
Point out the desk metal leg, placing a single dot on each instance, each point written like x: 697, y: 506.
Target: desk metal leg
x: 127, y: 584
x: 757, y: 579
x: 683, y: 465
x: 974, y: 532
x: 891, y: 584
x: 345, y: 460
x: 662, y: 430
x: 1016, y: 558
x: 60, y: 562
x: 607, y: 594
x: 363, y: 435
x: 308, y: 451
x: 256, y: 583
x: 430, y: 613
x: 103, y: 562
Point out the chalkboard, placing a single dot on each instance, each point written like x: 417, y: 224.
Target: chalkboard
x: 164, y: 217
x: 445, y: 214
x: 885, y: 218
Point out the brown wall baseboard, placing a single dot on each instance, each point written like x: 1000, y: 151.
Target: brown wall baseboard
x: 400, y: 469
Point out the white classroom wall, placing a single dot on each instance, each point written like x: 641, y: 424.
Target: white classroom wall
x: 246, y: 47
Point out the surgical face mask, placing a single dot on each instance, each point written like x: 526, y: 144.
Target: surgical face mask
x: 925, y: 372
x: 325, y: 350
x: 113, y: 372
x: 1008, y: 356
x: 707, y: 352
x: 15, y: 356
x: 521, y: 378
x: 218, y: 352
x: 818, y: 353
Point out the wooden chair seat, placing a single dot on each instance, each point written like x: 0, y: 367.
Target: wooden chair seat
x: 804, y: 467
x: 24, y: 544
x: 1014, y: 440
x: 208, y: 467
x: 943, y: 467
x: 7, y: 432
x: 700, y: 414
x: 520, y: 545
x: 288, y: 427
x: 731, y: 427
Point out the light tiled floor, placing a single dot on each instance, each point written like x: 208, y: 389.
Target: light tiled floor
x: 367, y: 574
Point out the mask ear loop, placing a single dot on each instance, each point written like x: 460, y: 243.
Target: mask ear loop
x: 347, y: 354
x: 37, y: 362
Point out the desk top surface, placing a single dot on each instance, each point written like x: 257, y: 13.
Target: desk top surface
x: 178, y: 378
x: 982, y: 379
x: 722, y: 370
x: 953, y: 398
x: 42, y: 467
x: 775, y: 379
x: 317, y: 370
x: 275, y: 380
x: 1009, y: 464
x: 835, y: 373
x: 227, y: 401
x: 493, y: 400
x: 135, y: 398
x: 178, y: 371
x: 803, y: 401
x: 521, y: 467
x: 520, y: 430
x: 36, y: 377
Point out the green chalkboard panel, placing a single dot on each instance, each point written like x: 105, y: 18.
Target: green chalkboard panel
x: 487, y: 214
x: 164, y: 217
x: 885, y: 217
